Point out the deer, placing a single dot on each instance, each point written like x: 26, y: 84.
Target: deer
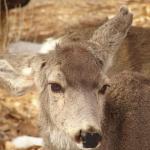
x: 72, y: 81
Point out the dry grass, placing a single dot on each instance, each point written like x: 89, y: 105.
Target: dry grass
x: 3, y: 27
x: 50, y: 18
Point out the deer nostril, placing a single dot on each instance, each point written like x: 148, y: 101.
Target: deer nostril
x: 90, y: 140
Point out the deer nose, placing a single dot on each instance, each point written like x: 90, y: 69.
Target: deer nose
x: 89, y: 139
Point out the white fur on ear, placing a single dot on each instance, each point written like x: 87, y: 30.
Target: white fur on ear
x: 27, y: 142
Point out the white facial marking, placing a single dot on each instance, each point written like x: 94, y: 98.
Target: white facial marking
x: 61, y: 140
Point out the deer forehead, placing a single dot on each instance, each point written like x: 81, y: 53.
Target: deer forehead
x: 80, y: 66
x: 76, y: 68
x: 73, y: 80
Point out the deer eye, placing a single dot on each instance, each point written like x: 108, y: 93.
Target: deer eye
x: 55, y: 87
x: 103, y: 89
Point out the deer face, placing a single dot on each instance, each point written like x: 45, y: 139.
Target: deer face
x: 75, y: 88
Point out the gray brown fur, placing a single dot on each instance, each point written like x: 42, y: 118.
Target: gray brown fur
x: 127, y: 112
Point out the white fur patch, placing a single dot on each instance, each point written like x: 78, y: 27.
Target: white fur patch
x: 62, y: 141
x: 27, y: 142
x: 49, y: 45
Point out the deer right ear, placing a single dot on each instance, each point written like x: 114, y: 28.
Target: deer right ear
x: 17, y: 83
x: 38, y: 64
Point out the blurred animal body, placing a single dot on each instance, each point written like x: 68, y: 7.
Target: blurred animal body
x: 72, y: 81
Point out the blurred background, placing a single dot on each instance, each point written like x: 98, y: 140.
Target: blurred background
x: 36, y: 21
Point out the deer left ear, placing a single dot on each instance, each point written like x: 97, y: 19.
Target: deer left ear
x: 108, y: 38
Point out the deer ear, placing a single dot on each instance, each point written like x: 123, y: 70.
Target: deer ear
x: 15, y: 82
x: 108, y: 38
x: 17, y: 72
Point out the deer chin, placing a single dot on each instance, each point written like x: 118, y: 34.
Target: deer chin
x: 80, y: 146
x: 61, y: 140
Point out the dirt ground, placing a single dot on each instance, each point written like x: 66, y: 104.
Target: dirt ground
x: 51, y: 18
